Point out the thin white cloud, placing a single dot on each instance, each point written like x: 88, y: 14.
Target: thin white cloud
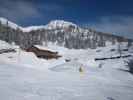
x: 117, y: 25
x: 19, y: 10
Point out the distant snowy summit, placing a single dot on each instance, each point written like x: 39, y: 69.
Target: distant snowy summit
x: 60, y: 24
x: 55, y: 24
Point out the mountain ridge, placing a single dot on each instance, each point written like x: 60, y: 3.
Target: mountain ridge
x: 59, y: 32
x: 52, y: 24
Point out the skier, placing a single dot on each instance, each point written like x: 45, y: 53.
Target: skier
x: 80, y: 69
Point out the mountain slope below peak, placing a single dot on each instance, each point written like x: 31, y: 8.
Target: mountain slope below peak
x: 8, y: 23
x: 32, y: 28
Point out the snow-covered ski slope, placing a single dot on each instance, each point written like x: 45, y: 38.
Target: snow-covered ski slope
x: 25, y: 77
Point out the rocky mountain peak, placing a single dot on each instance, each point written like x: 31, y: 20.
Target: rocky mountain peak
x: 55, y: 24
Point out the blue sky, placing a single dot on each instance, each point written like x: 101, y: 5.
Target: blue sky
x: 104, y: 15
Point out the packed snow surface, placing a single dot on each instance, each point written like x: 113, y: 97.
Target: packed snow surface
x: 4, y: 45
x: 25, y: 77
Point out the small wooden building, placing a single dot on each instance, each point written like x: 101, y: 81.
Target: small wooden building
x: 41, y: 53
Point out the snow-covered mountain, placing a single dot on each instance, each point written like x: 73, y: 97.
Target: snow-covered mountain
x: 58, y: 32
x: 55, y: 24
x: 32, y: 28
x: 60, y: 24
x: 6, y: 22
